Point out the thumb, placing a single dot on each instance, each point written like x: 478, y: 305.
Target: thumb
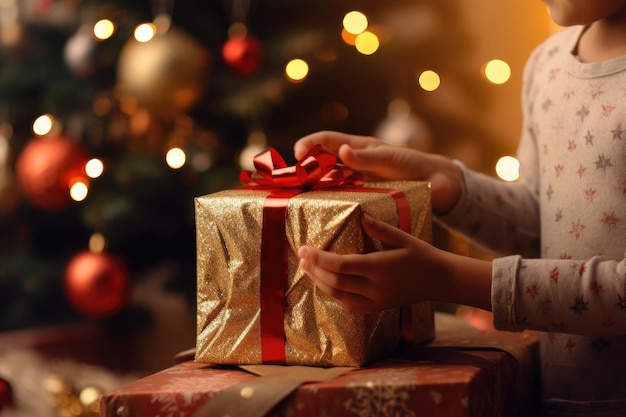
x: 391, y: 237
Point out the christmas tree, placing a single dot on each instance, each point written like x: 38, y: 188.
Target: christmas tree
x: 169, y: 100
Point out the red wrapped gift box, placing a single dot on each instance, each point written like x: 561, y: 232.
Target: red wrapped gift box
x: 453, y: 376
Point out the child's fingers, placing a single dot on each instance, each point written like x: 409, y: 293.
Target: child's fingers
x: 390, y: 236
x: 332, y: 270
x: 330, y: 140
x: 351, y: 301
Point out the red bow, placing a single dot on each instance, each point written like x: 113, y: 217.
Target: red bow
x: 317, y: 169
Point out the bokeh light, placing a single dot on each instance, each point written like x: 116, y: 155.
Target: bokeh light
x: 97, y: 243
x: 297, y: 70
x: 355, y: 22
x: 367, y: 43
x: 145, y: 32
x: 175, y: 158
x: 497, y: 71
x: 43, y: 124
x: 103, y: 29
x: 94, y: 168
x: 429, y: 80
x: 507, y: 168
x: 349, y: 38
x: 79, y: 190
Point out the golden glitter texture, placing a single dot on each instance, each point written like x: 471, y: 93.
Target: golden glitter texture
x: 318, y: 331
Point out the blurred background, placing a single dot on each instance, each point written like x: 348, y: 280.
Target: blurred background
x: 114, y: 115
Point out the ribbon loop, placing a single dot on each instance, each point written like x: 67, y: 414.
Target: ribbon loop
x: 317, y: 169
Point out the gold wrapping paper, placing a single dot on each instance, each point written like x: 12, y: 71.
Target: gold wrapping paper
x: 318, y: 331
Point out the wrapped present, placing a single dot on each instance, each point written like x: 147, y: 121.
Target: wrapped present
x: 494, y: 375
x: 254, y: 304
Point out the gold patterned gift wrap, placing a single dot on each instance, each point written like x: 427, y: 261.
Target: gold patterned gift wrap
x: 317, y: 330
x: 240, y: 244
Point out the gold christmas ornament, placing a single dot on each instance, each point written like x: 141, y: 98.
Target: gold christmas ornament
x: 167, y: 74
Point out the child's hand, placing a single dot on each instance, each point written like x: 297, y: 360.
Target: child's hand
x: 406, y: 271
x: 379, y: 160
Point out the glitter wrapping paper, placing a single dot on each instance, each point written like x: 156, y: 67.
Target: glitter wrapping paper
x: 318, y: 331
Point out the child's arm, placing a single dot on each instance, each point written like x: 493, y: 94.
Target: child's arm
x: 407, y: 271
x: 379, y: 160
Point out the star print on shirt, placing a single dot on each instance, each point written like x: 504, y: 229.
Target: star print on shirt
x: 603, y: 163
x: 597, y: 287
x: 579, y: 306
x: 571, y: 145
x: 577, y: 229
x: 570, y: 345
x: 558, y: 216
x: 589, y: 138
x: 553, y: 73
x: 618, y: 132
x: 532, y: 291
x: 547, y: 104
x: 583, y: 112
x: 596, y: 90
x: 581, y: 171
x: 558, y: 170
x: 621, y: 303
x: 554, y: 274
x: 607, y: 110
x: 550, y: 192
x: 610, y: 220
x: 589, y: 194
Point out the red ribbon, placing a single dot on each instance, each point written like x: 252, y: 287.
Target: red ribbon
x: 318, y: 169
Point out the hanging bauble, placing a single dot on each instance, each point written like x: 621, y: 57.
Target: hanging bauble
x: 96, y: 284
x: 243, y: 55
x: 6, y: 395
x: 167, y: 74
x: 47, y: 168
x: 403, y: 128
x: 80, y: 51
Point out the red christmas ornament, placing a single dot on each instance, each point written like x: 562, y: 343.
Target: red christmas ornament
x: 6, y: 395
x: 96, y: 284
x: 243, y: 54
x: 47, y: 168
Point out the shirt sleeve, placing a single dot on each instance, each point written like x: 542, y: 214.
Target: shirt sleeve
x: 499, y: 215
x: 560, y: 295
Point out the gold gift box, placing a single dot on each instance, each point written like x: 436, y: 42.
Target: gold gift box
x: 318, y: 330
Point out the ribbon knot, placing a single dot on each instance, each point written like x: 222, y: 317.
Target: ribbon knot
x: 317, y: 169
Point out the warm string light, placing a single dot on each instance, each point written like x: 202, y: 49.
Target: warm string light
x: 94, y: 168
x: 145, y: 32
x: 296, y: 70
x: 355, y: 33
x: 175, y: 158
x: 497, y: 71
x: 79, y: 190
x: 507, y: 168
x: 43, y: 124
x: 103, y: 29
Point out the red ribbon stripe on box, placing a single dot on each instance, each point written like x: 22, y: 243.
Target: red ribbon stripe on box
x: 318, y: 169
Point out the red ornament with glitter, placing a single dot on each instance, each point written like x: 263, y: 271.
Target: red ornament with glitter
x: 243, y: 55
x: 47, y: 168
x: 96, y: 284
